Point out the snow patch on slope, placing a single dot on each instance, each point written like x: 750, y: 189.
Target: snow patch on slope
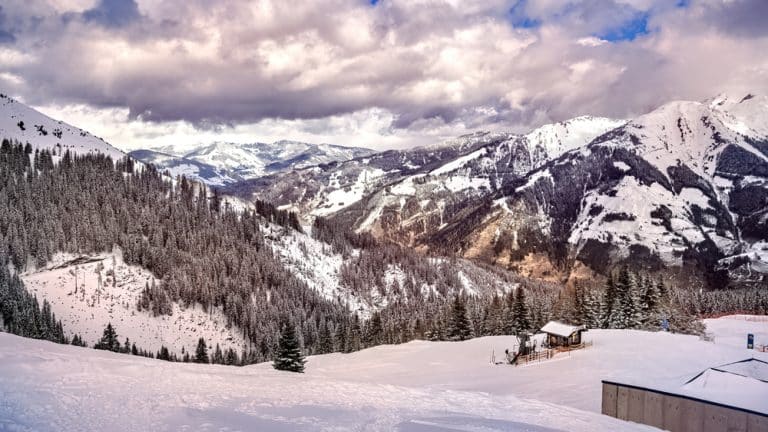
x: 26, y: 125
x: 102, y: 298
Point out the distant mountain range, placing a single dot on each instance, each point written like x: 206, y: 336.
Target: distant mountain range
x: 220, y: 164
x: 682, y: 189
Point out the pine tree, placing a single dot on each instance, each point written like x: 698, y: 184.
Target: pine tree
x: 608, y: 302
x: 459, y: 328
x: 231, y: 357
x: 624, y: 313
x: 520, y: 311
x: 109, y: 340
x: 649, y: 304
x: 218, y: 355
x: 326, y: 339
x: 163, y: 354
x: 201, y: 353
x: 289, y: 355
x: 509, y: 313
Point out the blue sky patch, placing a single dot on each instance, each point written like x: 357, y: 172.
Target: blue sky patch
x: 628, y: 30
x: 518, y: 18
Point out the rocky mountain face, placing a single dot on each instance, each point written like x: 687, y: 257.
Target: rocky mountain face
x: 682, y: 189
x: 219, y: 164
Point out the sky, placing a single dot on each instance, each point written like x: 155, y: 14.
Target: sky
x: 370, y: 73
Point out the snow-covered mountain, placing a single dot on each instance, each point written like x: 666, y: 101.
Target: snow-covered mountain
x: 222, y: 163
x: 26, y: 125
x: 683, y: 187
x: 97, y: 251
x: 409, y: 195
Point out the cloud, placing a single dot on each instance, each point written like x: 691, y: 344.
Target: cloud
x: 6, y: 36
x: 113, y: 13
x: 428, y: 69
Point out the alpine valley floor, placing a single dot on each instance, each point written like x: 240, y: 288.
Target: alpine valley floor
x: 418, y: 386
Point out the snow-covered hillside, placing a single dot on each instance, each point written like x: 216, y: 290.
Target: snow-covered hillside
x: 26, y: 125
x: 683, y: 186
x: 316, y: 264
x: 223, y: 163
x: 418, y: 386
x: 87, y: 292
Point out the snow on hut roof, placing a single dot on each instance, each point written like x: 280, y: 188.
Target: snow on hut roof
x: 560, y: 329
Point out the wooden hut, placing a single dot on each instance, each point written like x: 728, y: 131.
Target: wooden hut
x: 562, y: 335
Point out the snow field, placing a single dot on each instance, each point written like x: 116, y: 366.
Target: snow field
x: 98, y: 301
x: 417, y: 387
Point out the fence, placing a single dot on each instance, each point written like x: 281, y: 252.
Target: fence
x: 677, y: 413
x: 548, y: 353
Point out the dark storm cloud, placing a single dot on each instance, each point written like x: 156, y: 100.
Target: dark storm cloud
x: 431, y: 64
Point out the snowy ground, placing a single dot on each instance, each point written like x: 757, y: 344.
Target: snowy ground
x: 99, y: 301
x: 419, y: 386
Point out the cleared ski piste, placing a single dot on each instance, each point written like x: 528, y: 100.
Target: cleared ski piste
x: 419, y: 386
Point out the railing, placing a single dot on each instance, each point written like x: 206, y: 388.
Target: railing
x: 547, y: 354
x: 535, y: 357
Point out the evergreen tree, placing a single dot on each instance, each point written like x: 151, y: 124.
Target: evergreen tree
x: 108, y: 341
x: 289, y: 355
x: 608, y: 301
x: 231, y: 357
x: 509, y: 313
x: 326, y: 339
x: 163, y: 354
x: 459, y: 328
x: 201, y: 353
x: 520, y: 311
x: 624, y: 313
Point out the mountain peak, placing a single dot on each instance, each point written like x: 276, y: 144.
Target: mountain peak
x: 25, y: 124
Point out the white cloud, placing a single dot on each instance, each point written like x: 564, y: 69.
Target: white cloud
x: 398, y: 74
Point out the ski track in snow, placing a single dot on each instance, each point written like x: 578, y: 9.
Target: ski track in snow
x: 415, y: 387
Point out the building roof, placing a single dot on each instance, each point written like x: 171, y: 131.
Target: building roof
x: 560, y: 329
x: 741, y: 384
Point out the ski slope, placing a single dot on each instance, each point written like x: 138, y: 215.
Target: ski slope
x: 108, y: 291
x: 419, y: 386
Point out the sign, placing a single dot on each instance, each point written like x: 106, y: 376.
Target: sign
x: 750, y: 341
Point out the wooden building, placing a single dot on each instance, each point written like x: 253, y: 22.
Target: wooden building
x: 562, y: 335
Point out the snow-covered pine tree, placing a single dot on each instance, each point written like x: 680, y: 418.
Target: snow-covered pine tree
x: 326, y: 339
x: 289, y: 356
x: 509, y: 313
x: 607, y: 302
x: 108, y: 340
x: 218, y: 355
x: 592, y: 315
x: 201, y: 353
x: 459, y: 328
x: 520, y: 311
x: 624, y: 310
x: 649, y: 304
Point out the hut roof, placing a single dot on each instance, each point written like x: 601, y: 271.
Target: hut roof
x: 560, y: 329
